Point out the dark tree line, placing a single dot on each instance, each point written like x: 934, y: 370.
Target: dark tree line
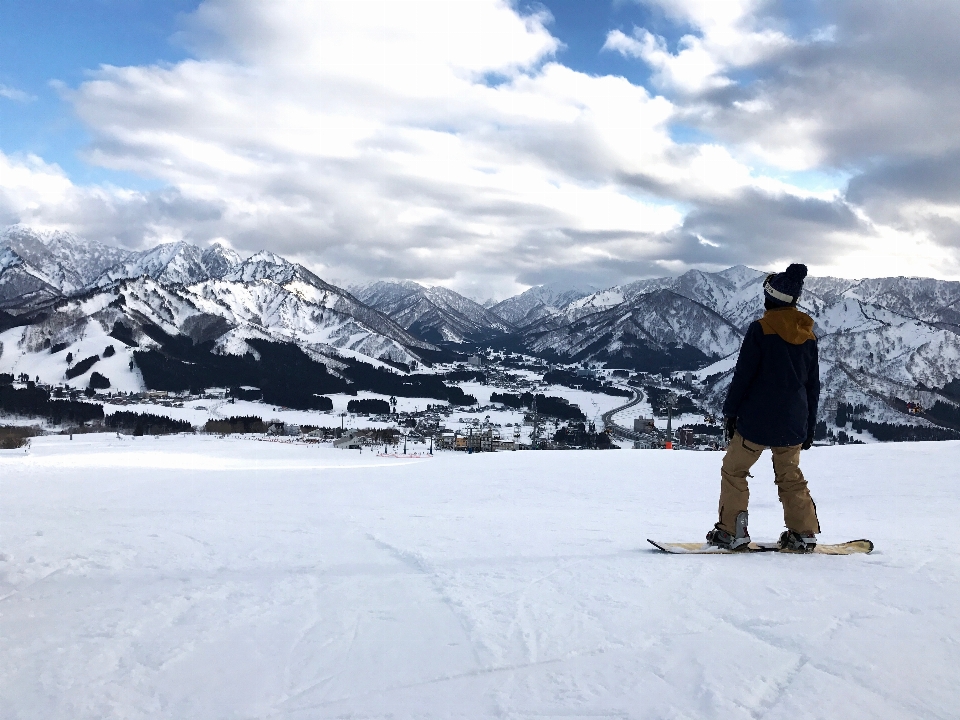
x: 284, y: 374
x: 367, y: 377
x: 81, y: 367
x: 847, y: 412
x: 124, y: 334
x: 820, y: 430
x: 714, y: 430
x: 952, y: 389
x: 236, y: 424
x: 371, y: 406
x: 550, y: 406
x: 942, y: 413
x: 146, y: 423
x: 36, y: 402
x: 635, y: 353
x: 887, y: 432
x: 945, y: 414
x: 246, y: 393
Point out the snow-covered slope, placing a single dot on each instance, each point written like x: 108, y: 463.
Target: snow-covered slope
x: 221, y: 311
x: 296, y: 279
x: 921, y: 298
x: 194, y: 577
x: 434, y: 314
x: 22, y: 285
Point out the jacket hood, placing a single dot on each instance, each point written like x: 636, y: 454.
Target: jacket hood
x: 789, y: 323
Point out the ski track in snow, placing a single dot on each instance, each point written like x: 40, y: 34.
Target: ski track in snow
x: 198, y: 577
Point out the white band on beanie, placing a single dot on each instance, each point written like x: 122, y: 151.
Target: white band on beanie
x: 772, y: 292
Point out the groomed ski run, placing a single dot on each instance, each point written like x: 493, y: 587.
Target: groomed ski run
x: 198, y: 577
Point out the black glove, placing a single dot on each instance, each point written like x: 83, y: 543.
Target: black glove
x: 808, y: 443
x: 730, y: 427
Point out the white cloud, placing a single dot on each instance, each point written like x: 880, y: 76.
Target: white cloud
x: 16, y: 95
x: 438, y: 141
x: 729, y: 38
x: 372, y: 144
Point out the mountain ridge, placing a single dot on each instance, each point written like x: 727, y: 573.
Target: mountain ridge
x: 877, y: 336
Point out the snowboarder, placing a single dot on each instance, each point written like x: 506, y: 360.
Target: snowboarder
x: 772, y: 403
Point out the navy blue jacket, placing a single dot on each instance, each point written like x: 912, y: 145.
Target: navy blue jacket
x: 776, y: 385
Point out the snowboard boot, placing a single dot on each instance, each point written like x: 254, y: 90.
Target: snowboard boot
x: 797, y: 542
x: 738, y: 541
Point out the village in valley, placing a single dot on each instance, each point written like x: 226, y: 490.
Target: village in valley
x: 513, y: 402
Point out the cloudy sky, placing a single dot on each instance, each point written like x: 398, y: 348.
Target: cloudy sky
x: 488, y: 145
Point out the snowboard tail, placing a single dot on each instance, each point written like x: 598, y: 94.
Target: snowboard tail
x: 847, y: 548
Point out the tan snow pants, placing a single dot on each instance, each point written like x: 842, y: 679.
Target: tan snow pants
x: 799, y: 511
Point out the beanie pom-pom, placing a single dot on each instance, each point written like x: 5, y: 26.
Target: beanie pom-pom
x: 796, y: 272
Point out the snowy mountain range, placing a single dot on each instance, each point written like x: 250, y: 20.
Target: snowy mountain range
x: 879, y: 338
x: 434, y: 314
x: 205, y: 296
x: 537, y: 302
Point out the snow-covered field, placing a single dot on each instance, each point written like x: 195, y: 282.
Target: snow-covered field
x: 197, y: 577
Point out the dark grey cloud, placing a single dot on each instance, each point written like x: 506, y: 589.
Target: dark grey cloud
x: 756, y: 229
x: 932, y: 178
x: 914, y: 194
x: 885, y: 80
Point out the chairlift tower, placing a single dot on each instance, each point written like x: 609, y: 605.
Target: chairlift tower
x: 535, y: 435
x: 671, y: 404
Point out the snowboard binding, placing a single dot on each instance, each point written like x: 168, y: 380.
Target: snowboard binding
x: 740, y: 540
x: 793, y: 541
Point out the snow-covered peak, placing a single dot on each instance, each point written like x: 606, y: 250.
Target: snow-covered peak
x: 537, y: 302
x: 435, y: 314
x: 740, y: 275
x: 385, y: 293
x: 20, y: 233
x: 218, y: 260
x: 68, y: 261
x: 597, y: 302
x: 177, y: 263
x: 470, y: 309
x: 265, y: 265
x: 22, y: 285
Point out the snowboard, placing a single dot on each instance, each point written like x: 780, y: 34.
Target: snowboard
x: 847, y: 548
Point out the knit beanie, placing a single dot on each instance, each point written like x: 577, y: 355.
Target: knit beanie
x: 783, y: 289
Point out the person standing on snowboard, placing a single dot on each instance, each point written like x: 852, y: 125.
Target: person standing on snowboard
x: 772, y: 403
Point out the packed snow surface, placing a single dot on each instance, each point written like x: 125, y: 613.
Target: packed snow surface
x: 198, y: 577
